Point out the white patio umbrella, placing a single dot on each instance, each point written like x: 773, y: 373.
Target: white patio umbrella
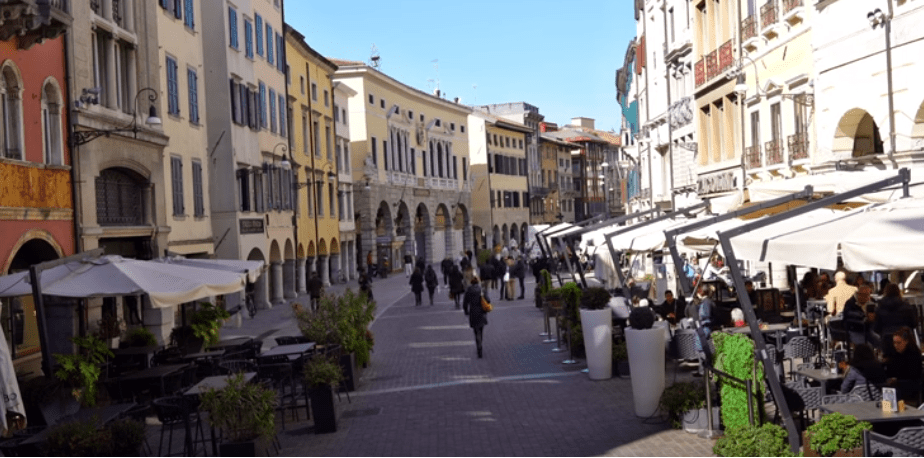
x: 9, y: 386
x: 165, y: 284
x: 879, y: 236
x: 252, y: 269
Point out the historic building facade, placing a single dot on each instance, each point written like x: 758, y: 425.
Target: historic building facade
x: 410, y: 163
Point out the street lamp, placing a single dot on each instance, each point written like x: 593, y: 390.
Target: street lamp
x: 878, y: 18
x: 82, y: 137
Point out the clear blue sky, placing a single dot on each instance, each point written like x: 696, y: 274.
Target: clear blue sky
x: 557, y: 55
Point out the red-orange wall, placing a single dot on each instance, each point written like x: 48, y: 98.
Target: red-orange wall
x: 35, y: 65
x: 13, y: 231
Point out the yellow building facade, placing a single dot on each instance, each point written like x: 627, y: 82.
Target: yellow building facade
x: 410, y: 162
x: 311, y: 104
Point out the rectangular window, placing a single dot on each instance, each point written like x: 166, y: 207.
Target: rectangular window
x: 282, y: 115
x: 189, y: 20
x: 193, y: 82
x: 413, y: 162
x: 375, y: 153
x: 330, y: 145
x: 314, y: 92
x: 385, y: 154
x: 330, y: 197
x: 371, y: 99
x: 262, y: 105
x: 326, y: 98
x: 755, y: 128
x: 305, y: 134
x: 248, y: 38
x: 173, y: 88
x: 319, y: 189
x: 336, y: 114
x: 232, y: 27
x: 178, y: 9
x: 176, y: 180
x: 317, y: 139
x: 198, y: 199
x: 243, y: 186
x: 280, y: 62
x: 272, y: 110
x: 464, y: 169
x: 259, y: 194
x: 455, y: 168
x: 269, y: 44
x: 776, y: 121
x: 234, y: 102
x: 258, y: 27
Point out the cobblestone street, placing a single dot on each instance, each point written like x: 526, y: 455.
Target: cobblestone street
x: 427, y: 394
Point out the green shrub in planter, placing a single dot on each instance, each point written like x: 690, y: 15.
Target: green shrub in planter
x: 242, y: 411
x: 320, y: 371
x: 78, y: 438
x: 681, y: 397
x: 735, y: 356
x: 641, y: 318
x: 83, y: 369
x: 836, y: 431
x: 595, y: 298
x: 747, y: 440
x: 140, y: 337
x: 127, y: 437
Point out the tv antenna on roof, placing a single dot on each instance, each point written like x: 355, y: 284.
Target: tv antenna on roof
x: 374, y: 58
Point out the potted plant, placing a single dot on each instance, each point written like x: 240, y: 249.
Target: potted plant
x: 110, y: 329
x: 685, y: 406
x: 597, y: 326
x: 835, y: 434
x: 747, y: 440
x: 82, y: 369
x: 140, y: 337
x: 207, y: 321
x: 245, y: 413
x: 571, y: 296
x: 734, y: 355
x: 342, y: 320
x: 645, y: 345
x: 620, y: 359
x: 543, y: 287
x: 83, y: 438
x: 321, y: 374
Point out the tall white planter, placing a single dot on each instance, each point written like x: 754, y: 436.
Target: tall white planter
x: 597, y: 326
x: 646, y: 360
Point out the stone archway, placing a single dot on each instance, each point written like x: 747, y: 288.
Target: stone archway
x: 505, y: 235
x: 289, y: 271
x: 495, y: 237
x: 404, y: 236
x: 857, y: 134
x: 18, y: 316
x: 443, y: 223
x: 423, y: 237
x: 260, y: 290
x: 463, y: 224
x: 515, y: 234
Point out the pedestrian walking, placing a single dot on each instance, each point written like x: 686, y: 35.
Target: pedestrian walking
x: 477, y: 317
x: 520, y: 272
x: 432, y: 282
x: 456, y: 285
x: 369, y: 267
x: 446, y: 266
x: 499, y: 269
x: 487, y: 274
x: 416, y: 283
x: 314, y: 288
x: 510, y: 279
x: 364, y: 284
x: 408, y: 265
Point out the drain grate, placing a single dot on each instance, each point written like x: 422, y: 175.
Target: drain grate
x: 361, y: 412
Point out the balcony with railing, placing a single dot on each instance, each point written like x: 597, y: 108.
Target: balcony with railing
x: 726, y: 56
x: 794, y: 11
x: 798, y: 146
x: 699, y: 70
x: 712, y: 65
x: 33, y: 20
x: 774, y: 150
x: 752, y: 157
x: 769, y: 16
x: 749, y: 28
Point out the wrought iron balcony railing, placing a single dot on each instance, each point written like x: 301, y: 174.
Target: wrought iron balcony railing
x: 798, y: 146
x: 752, y: 157
x: 769, y: 14
x: 748, y: 28
x: 774, y: 150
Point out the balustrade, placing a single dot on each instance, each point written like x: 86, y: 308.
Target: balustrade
x: 752, y: 157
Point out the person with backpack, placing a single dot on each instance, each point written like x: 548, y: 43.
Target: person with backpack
x: 432, y: 282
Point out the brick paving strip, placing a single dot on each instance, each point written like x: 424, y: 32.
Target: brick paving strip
x: 427, y: 394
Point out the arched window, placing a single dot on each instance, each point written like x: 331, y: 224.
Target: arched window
x: 120, y: 198
x: 11, y: 112
x: 51, y: 125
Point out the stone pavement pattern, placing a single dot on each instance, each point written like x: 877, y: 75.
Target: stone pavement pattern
x: 427, y: 394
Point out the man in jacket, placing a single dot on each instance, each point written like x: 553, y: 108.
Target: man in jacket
x: 314, y: 288
x: 520, y: 271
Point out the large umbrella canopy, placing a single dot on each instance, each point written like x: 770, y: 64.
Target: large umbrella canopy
x: 880, y: 236
x: 252, y: 269
x: 165, y: 284
x: 835, y: 183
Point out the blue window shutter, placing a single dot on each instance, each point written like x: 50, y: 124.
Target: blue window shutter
x: 269, y: 43
x: 259, y: 26
x: 262, y: 105
x: 232, y: 27
x: 282, y: 115
x: 248, y: 39
x: 178, y: 9
x: 189, y: 20
x: 173, y: 98
x: 272, y: 110
x: 280, y: 65
x: 193, y: 81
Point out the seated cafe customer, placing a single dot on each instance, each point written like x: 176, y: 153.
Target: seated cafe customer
x: 862, y: 369
x: 891, y: 314
x: 671, y: 309
x: 903, y: 367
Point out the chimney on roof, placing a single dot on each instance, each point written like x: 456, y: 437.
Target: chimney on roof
x: 457, y: 100
x: 548, y: 127
x: 436, y: 92
x: 587, y: 123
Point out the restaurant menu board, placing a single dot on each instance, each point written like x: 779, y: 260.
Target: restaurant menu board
x: 889, y: 400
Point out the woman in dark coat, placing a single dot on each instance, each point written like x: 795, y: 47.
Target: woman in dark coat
x: 891, y: 314
x: 863, y: 369
x: 416, y: 282
x: 432, y: 281
x: 456, y: 284
x: 477, y: 318
x: 903, y: 367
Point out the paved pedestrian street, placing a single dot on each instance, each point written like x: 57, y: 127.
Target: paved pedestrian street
x: 426, y: 393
